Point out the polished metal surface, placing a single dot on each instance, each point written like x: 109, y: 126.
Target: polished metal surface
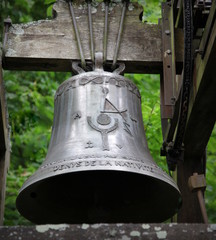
x: 98, y: 167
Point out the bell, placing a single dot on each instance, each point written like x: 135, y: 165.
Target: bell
x: 98, y: 168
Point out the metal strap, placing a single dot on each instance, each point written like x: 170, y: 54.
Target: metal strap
x: 125, y: 3
x: 91, y: 30
x: 82, y: 58
x: 105, y: 30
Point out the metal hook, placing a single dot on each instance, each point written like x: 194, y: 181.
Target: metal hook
x: 76, y: 68
x: 120, y: 69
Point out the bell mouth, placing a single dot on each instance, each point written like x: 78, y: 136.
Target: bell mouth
x: 98, y: 196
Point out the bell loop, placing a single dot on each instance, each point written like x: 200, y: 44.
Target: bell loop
x: 120, y: 69
x: 76, y: 68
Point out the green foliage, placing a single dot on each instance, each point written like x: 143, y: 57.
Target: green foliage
x: 30, y: 97
x: 149, y: 86
x: 30, y: 104
x: 152, y: 10
x: 15, y: 179
x: 211, y: 178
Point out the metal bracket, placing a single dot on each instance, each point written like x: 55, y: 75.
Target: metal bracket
x: 168, y: 83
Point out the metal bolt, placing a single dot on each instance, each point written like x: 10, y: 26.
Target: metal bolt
x: 168, y: 51
x: 8, y: 21
x: 198, y: 51
x: 167, y: 32
x: 173, y: 100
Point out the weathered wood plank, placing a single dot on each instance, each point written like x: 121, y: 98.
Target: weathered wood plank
x: 50, y: 45
x: 4, y: 143
x: 111, y: 231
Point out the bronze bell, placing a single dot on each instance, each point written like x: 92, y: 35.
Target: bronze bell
x: 98, y: 168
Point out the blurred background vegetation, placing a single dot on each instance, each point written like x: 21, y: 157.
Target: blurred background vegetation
x: 30, y: 105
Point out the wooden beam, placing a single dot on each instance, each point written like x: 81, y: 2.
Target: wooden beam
x: 201, y: 120
x: 190, y: 211
x: 50, y: 45
x: 111, y: 231
x: 202, y: 111
x: 4, y: 143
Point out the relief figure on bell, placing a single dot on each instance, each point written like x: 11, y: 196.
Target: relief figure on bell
x: 109, y: 107
x: 104, y: 126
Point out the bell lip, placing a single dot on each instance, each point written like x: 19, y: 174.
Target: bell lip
x: 45, y: 173
x: 173, y: 187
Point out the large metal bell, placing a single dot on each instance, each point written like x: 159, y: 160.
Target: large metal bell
x: 98, y: 168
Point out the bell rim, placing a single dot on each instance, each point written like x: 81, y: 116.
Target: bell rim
x: 159, y: 174
x: 174, y: 189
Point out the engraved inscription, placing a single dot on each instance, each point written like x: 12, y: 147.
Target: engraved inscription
x: 118, y: 81
x: 109, y: 163
x: 119, y: 146
x: 109, y: 107
x: 89, y: 156
x: 105, y: 90
x: 82, y: 164
x: 89, y: 144
x: 104, y: 132
x: 98, y: 160
x: 104, y: 119
x: 133, y: 119
x: 84, y: 160
x: 95, y: 80
x: 120, y: 84
x: 113, y: 163
x: 111, y: 81
x: 126, y: 128
x: 65, y: 87
x: 77, y: 115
